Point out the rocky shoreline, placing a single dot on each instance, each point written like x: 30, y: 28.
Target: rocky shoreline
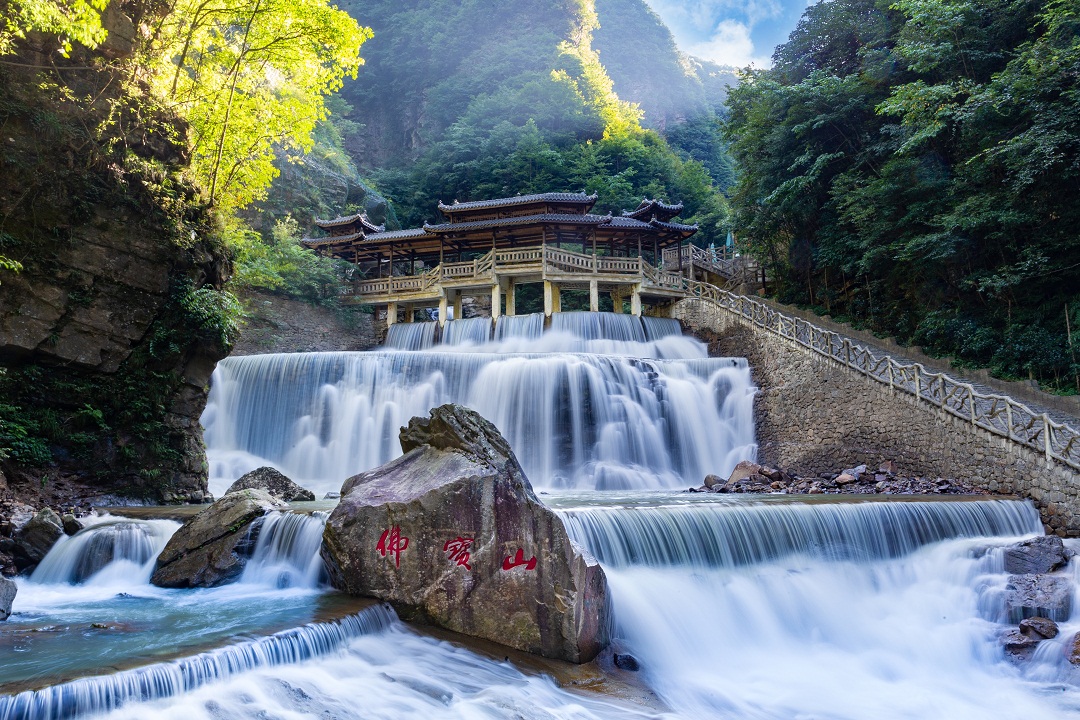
x: 749, y: 477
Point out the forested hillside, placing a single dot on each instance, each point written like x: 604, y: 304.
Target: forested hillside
x: 913, y: 166
x: 465, y: 100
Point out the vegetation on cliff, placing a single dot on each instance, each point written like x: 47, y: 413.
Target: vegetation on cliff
x: 905, y: 165
x: 125, y: 154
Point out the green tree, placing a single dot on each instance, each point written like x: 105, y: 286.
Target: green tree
x: 68, y: 20
x: 251, y: 78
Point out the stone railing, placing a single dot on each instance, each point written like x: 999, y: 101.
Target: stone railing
x: 997, y: 414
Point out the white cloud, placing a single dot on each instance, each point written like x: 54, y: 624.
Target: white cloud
x: 718, y: 30
x: 730, y: 44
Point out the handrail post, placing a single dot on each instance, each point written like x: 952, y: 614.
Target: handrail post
x: 1046, y: 437
x: 918, y: 391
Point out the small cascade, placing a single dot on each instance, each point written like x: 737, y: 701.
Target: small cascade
x: 467, y: 331
x: 412, y: 336
x: 521, y: 327
x: 287, y: 551
x: 575, y: 421
x: 600, y: 326
x: 656, y: 328
x: 108, y: 550
x: 165, y: 680
x: 721, y: 534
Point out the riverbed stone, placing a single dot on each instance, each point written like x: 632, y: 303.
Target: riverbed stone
x: 34, y: 540
x: 212, y: 547
x: 8, y: 588
x: 1072, y: 649
x: 1036, y: 555
x: 1048, y: 596
x: 275, y: 483
x: 452, y: 534
x: 1042, y: 627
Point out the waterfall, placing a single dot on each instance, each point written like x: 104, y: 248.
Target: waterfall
x: 574, y: 420
x: 600, y: 326
x: 728, y: 534
x: 411, y: 336
x: 780, y: 608
x: 110, y: 549
x: 164, y: 680
x: 467, y: 331
x: 287, y: 551
x: 528, y: 327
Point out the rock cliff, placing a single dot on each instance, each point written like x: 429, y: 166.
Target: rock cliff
x: 110, y: 331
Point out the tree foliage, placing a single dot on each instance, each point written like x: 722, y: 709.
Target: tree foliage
x: 68, y: 20
x: 905, y: 166
x: 251, y: 77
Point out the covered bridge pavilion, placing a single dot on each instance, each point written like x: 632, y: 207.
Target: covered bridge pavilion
x: 491, y: 246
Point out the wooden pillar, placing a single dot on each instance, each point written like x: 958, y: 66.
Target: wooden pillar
x: 594, y: 296
x: 410, y: 313
x: 635, y: 301
x: 511, y: 297
x: 616, y: 302
x: 457, y: 304
x: 496, y: 300
x: 442, y: 309
x: 552, y: 298
x: 391, y: 314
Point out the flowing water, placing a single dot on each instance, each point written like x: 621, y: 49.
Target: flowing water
x: 735, y: 606
x: 652, y: 412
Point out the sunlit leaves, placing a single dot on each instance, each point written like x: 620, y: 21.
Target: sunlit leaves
x: 251, y: 77
x: 69, y: 20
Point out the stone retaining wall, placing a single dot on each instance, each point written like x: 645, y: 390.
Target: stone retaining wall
x: 815, y: 415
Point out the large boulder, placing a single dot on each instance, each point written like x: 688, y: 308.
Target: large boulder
x: 8, y: 588
x: 34, y: 540
x: 1047, y: 596
x: 1036, y: 556
x: 212, y: 548
x: 273, y: 482
x: 452, y: 534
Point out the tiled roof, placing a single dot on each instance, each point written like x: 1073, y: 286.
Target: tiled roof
x: 552, y: 197
x: 409, y: 234
x: 648, y: 208
x: 332, y: 239
x: 673, y: 226
x: 628, y: 222
x: 349, y: 220
x: 553, y: 218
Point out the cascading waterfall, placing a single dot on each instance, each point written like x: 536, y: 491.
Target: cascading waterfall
x: 743, y: 609
x: 467, y: 331
x: 712, y: 534
x: 575, y: 421
x: 411, y: 336
x: 287, y: 551
x: 524, y: 327
x: 109, y: 549
x: 164, y: 680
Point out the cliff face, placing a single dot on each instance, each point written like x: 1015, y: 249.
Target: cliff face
x: 109, y: 333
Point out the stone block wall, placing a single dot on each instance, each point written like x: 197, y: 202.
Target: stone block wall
x: 815, y: 415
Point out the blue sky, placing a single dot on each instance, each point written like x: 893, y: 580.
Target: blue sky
x: 730, y: 32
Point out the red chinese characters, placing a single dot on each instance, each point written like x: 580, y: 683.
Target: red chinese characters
x: 457, y: 550
x: 518, y: 560
x: 391, y: 542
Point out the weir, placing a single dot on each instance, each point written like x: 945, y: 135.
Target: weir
x: 652, y: 412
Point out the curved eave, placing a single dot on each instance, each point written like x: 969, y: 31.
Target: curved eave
x: 586, y: 201
x: 496, y: 223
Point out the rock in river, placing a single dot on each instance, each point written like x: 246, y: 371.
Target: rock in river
x: 452, y: 534
x: 1034, y: 556
x: 8, y: 588
x: 1047, y: 596
x: 273, y: 482
x: 36, y: 538
x: 212, y: 547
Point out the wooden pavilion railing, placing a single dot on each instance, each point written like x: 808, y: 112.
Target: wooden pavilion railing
x: 997, y: 414
x: 719, y: 261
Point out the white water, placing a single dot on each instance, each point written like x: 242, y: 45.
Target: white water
x: 870, y: 610
x: 736, y: 607
x: 575, y: 420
